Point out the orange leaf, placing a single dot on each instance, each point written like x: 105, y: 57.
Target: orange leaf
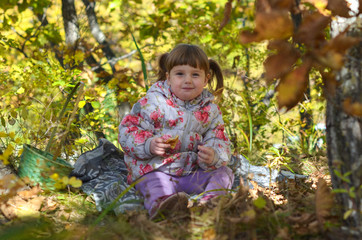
x: 227, y: 14
x: 339, y: 7
x: 282, y: 4
x: 281, y: 63
x: 341, y: 43
x: 248, y: 37
x: 269, y: 25
x: 323, y: 201
x: 274, y: 25
x: 292, y: 87
x: 311, y: 31
x: 330, y: 84
x: 262, y: 6
x: 354, y: 109
x: 330, y: 59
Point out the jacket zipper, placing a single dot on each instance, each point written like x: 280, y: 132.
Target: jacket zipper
x: 187, y: 129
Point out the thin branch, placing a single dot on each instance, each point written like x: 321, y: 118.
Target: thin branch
x: 98, y: 34
x: 115, y: 60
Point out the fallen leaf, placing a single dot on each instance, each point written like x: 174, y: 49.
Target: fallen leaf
x: 209, y: 234
x: 27, y: 194
x: 49, y: 205
x: 283, y: 233
x: 302, y: 218
x: 323, y: 201
x: 9, y: 186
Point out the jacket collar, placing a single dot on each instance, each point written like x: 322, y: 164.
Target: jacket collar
x: 204, y: 98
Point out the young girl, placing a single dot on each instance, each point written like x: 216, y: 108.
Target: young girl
x: 174, y: 138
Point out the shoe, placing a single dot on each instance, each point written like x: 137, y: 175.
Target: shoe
x: 172, y: 205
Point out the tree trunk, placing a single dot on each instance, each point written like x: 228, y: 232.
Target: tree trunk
x: 98, y: 34
x: 70, y: 21
x: 344, y: 139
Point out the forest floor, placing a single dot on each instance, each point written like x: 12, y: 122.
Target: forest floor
x: 301, y: 209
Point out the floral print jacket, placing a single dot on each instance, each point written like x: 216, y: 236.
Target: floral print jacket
x: 161, y: 114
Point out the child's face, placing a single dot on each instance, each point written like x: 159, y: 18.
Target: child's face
x: 186, y: 82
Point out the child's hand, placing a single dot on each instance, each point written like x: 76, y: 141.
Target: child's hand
x: 158, y: 146
x: 206, y: 154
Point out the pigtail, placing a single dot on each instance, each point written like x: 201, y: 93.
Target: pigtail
x: 215, y: 70
x: 162, y: 70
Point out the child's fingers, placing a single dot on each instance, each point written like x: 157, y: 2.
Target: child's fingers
x: 161, y: 143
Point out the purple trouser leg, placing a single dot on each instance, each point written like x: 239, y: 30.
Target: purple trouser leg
x: 158, y: 184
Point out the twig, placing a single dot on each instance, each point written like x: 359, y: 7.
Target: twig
x: 60, y: 116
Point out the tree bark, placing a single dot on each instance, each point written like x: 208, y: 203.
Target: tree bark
x: 70, y: 21
x: 344, y: 139
x: 98, y: 34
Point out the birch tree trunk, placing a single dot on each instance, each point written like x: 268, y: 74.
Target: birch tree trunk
x: 344, y: 138
x: 70, y: 21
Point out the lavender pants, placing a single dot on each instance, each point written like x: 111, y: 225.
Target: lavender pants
x: 157, y: 184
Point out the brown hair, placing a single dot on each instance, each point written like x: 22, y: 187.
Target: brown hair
x: 194, y: 56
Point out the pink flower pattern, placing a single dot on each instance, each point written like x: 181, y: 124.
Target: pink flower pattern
x: 130, y: 120
x: 142, y: 136
x: 157, y: 118
x: 220, y: 133
x: 143, y: 101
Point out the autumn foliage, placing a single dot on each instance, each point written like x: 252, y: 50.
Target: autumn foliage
x: 297, y: 48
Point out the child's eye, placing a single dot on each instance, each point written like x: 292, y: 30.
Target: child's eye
x: 195, y: 74
x: 179, y: 73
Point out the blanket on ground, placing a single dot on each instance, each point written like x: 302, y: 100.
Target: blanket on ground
x: 104, y: 176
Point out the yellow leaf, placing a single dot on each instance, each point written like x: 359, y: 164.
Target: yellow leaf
x: 347, y: 214
x: 8, y: 151
x: 54, y: 176
x: 20, y: 152
x: 75, y: 182
x: 12, y: 135
x: 4, y: 159
x: 20, y: 90
x: 65, y: 180
x: 17, y: 140
x: 81, y: 104
x: 58, y: 185
x: 3, y: 134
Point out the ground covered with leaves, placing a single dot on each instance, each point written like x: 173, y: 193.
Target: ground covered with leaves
x: 301, y: 209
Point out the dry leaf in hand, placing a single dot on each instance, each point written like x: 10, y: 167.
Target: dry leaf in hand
x: 172, y: 142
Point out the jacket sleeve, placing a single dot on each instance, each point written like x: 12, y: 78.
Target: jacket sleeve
x: 137, y: 130
x: 216, y: 138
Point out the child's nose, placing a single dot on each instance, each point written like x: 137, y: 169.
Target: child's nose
x: 188, y: 78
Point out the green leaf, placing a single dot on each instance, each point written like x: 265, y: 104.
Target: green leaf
x: 260, y: 202
x: 96, y: 104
